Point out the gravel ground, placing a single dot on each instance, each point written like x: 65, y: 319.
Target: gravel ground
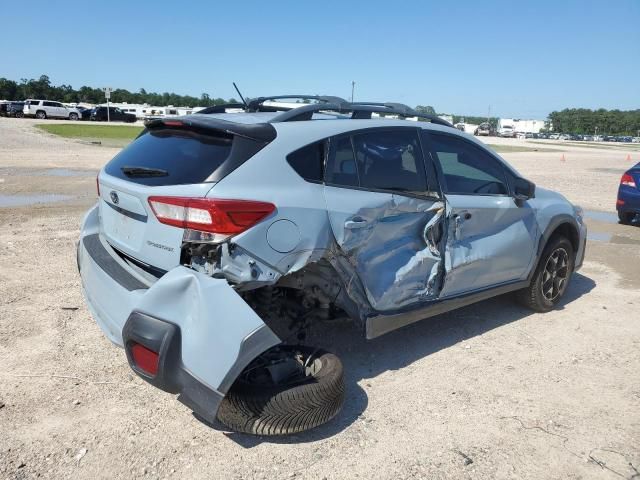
x: 491, y: 391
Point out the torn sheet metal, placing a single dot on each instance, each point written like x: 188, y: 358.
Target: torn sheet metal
x: 214, y: 322
x: 384, y: 244
x: 488, y: 242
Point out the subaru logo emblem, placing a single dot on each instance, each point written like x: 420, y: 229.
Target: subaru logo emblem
x: 114, y: 197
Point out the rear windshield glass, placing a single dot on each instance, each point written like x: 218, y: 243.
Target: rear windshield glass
x: 170, y: 157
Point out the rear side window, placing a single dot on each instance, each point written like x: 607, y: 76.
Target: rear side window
x: 51, y: 104
x: 390, y: 160
x: 467, y: 168
x: 171, y: 157
x: 308, y: 162
x: 342, y: 169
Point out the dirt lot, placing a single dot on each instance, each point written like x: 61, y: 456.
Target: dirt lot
x: 490, y: 391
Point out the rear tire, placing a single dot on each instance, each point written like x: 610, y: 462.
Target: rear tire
x: 261, y: 409
x: 626, y: 218
x: 41, y: 115
x: 73, y: 116
x: 19, y: 115
x: 551, y: 277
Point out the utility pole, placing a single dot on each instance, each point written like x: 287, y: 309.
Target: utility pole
x: 353, y: 87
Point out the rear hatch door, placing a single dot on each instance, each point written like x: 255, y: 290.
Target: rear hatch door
x: 173, y: 159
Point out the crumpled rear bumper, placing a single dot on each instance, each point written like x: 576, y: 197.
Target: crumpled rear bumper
x: 212, y: 333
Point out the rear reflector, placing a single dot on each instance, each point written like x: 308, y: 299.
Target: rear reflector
x: 619, y: 202
x: 210, y: 214
x: 145, y: 359
x: 628, y: 180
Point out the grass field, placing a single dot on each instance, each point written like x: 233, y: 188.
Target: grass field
x: 108, y: 135
x: 519, y: 148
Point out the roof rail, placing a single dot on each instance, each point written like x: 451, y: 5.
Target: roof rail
x: 256, y: 104
x: 358, y: 110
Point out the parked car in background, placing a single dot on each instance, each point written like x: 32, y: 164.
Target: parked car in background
x: 47, y: 109
x: 15, y: 109
x: 587, y: 138
x: 636, y: 140
x: 217, y: 239
x: 483, y: 130
x: 85, y: 113
x: 554, y: 136
x: 628, y: 202
x: 11, y: 109
x: 99, y: 114
x: 506, y: 131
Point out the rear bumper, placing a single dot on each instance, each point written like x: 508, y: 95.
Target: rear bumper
x: 631, y: 198
x: 213, y: 333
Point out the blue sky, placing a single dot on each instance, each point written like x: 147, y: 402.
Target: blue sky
x: 524, y: 59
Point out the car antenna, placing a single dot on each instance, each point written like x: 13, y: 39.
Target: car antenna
x: 241, y: 97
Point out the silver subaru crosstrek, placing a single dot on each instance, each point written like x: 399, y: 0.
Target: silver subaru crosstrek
x: 219, y: 237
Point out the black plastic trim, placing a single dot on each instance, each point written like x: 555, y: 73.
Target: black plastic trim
x: 381, y: 324
x: 164, y: 337
x: 252, y: 346
x: 109, y: 265
x: 261, y: 132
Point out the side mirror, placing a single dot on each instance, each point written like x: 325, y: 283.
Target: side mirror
x: 523, y: 190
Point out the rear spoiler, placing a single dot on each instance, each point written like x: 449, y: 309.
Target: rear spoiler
x: 260, y: 132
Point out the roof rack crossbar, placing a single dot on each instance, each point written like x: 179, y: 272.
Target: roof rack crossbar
x: 358, y: 110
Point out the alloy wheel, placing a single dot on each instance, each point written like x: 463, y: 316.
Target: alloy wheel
x: 555, y: 274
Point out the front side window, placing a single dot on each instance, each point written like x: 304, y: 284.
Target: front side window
x: 467, y: 168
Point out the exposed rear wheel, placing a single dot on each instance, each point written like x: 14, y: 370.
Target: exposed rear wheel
x: 19, y: 114
x: 73, y: 116
x: 41, y: 115
x: 288, y: 389
x: 552, y: 276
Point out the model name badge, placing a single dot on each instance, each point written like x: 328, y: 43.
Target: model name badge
x: 157, y: 245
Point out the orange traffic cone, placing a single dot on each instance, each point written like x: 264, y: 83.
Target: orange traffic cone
x: 628, y: 157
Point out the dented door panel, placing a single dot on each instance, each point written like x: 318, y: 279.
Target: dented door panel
x: 490, y: 240
x: 382, y: 235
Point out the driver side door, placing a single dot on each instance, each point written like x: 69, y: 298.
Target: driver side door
x: 491, y: 238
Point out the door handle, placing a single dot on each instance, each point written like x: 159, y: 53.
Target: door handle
x: 355, y: 223
x: 458, y: 220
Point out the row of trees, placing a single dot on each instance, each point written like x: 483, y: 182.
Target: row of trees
x: 573, y: 120
x: 42, y: 88
x: 604, y: 122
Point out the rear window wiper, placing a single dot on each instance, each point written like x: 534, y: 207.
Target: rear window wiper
x: 144, y: 172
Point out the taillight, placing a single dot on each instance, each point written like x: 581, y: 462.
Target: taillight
x: 209, y: 214
x: 145, y: 359
x: 628, y: 180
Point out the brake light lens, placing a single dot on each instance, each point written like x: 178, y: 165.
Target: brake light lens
x: 145, y: 359
x: 628, y: 180
x: 210, y: 215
